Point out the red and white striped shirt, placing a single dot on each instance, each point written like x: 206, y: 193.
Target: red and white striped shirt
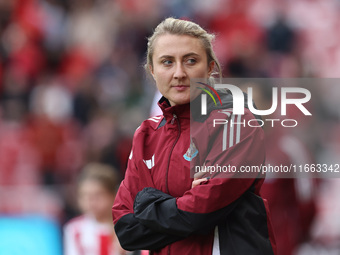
x: 85, y: 236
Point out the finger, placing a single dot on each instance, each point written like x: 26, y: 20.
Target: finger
x: 198, y: 182
x: 199, y: 175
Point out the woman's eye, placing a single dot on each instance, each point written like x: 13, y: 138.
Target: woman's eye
x: 191, y: 61
x: 166, y: 62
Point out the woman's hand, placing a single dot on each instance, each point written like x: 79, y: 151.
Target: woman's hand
x: 197, y: 181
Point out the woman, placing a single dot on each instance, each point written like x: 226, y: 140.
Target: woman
x: 159, y: 207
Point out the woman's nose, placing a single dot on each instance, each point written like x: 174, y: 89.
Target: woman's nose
x: 179, y: 72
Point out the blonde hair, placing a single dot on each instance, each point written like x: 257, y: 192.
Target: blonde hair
x: 106, y: 175
x: 183, y: 27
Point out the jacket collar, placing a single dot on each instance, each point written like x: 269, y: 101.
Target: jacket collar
x: 181, y: 111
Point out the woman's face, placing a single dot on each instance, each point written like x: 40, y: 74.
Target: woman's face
x: 177, y: 59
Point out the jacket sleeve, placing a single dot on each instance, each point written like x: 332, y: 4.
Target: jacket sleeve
x: 132, y: 234
x: 158, y: 211
x: 202, y: 207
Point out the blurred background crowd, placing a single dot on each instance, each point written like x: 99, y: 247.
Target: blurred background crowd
x: 73, y: 90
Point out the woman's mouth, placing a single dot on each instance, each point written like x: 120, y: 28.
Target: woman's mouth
x: 181, y: 87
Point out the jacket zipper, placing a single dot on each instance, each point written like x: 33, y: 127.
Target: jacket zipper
x: 173, y: 146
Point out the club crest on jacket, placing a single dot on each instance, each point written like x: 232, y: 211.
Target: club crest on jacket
x: 191, y: 152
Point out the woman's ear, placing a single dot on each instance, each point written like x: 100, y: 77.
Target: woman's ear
x: 211, y: 67
x: 151, y: 71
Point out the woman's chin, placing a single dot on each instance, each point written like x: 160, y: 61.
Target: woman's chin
x: 179, y: 98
